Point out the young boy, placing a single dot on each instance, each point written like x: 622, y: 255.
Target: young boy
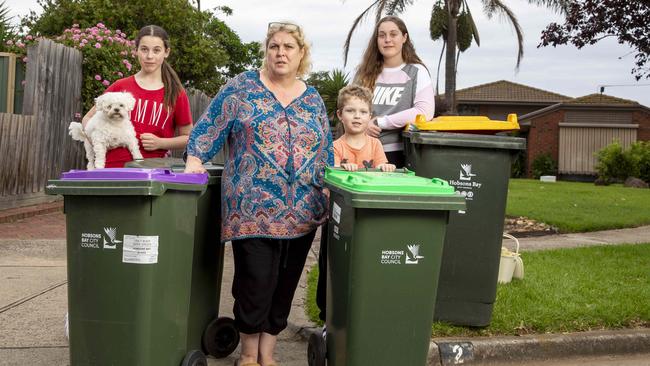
x: 352, y: 151
x: 355, y: 149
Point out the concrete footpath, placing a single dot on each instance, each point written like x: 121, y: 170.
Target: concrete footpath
x: 33, y: 302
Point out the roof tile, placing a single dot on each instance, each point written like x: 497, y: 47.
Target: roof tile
x: 507, y: 91
x: 601, y: 99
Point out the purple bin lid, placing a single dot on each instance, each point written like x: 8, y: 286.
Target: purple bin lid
x: 156, y: 174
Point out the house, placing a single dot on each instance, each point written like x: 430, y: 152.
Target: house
x: 498, y: 99
x: 574, y: 130
x: 571, y: 130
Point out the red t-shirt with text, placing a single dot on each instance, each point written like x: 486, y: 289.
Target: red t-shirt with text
x: 149, y: 115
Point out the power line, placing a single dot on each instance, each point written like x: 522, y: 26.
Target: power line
x: 602, y: 87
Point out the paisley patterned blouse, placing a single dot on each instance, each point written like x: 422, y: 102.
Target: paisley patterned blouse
x: 272, y: 184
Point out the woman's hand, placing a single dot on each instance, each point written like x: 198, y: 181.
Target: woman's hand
x: 387, y: 167
x: 373, y: 130
x: 150, y: 141
x: 194, y: 165
x: 351, y: 167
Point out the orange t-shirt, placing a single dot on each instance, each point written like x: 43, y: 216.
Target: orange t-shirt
x: 369, y: 156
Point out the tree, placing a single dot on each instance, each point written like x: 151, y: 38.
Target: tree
x: 328, y: 85
x: 205, y: 51
x: 456, y: 11
x: 589, y: 21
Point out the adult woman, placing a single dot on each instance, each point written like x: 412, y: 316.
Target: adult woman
x: 161, y: 103
x: 279, y: 143
x: 400, y: 81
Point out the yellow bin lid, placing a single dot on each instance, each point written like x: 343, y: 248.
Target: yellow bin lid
x: 465, y: 123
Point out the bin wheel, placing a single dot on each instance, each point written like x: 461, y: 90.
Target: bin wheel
x: 316, y: 350
x: 194, y: 358
x: 220, y: 337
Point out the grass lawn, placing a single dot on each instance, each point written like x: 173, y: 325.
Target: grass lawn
x: 564, y: 290
x: 579, y: 207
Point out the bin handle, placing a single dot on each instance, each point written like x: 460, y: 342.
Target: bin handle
x: 438, y: 181
x: 508, y: 236
x: 399, y: 170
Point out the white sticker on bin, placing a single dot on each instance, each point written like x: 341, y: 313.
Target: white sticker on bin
x: 336, y: 213
x: 139, y: 249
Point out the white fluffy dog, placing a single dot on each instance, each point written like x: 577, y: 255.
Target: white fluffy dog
x: 109, y: 128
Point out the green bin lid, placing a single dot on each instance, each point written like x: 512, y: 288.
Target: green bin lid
x: 401, y: 189
x: 405, y: 182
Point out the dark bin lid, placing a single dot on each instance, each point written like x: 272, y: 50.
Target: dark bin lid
x: 175, y: 164
x: 136, y: 174
x: 466, y: 140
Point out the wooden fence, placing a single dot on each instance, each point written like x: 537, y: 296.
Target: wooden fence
x: 199, y: 101
x: 35, y: 145
x: 17, y: 162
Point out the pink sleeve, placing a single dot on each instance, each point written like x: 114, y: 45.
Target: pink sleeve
x: 423, y: 104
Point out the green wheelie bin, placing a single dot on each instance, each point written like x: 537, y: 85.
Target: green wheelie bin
x: 144, y: 263
x: 385, y: 236
x: 478, y: 166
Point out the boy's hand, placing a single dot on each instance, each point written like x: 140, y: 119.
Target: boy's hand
x: 387, y: 167
x: 351, y: 167
x: 373, y: 130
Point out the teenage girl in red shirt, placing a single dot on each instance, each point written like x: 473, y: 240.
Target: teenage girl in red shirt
x: 161, y: 106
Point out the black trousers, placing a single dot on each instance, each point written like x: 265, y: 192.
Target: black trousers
x: 267, y: 272
x: 397, y: 158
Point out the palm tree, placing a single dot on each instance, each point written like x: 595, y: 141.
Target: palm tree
x: 328, y: 85
x: 454, y: 9
x: 6, y: 29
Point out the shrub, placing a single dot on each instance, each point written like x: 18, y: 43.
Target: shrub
x: 107, y: 56
x: 518, y: 169
x: 614, y: 163
x: 543, y: 165
x: 639, y: 156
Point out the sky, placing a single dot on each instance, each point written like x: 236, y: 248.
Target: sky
x: 564, y: 70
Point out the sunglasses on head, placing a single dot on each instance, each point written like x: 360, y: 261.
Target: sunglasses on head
x: 288, y: 26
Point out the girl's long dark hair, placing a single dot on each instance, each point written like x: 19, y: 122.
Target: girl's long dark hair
x: 171, y: 82
x: 373, y: 62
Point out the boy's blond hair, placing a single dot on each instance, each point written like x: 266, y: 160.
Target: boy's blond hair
x: 354, y: 91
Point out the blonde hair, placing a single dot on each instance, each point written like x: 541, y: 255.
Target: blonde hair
x: 372, y: 62
x: 354, y: 91
x: 296, y: 32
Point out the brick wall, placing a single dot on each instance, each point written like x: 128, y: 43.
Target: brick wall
x: 642, y: 118
x: 543, y: 137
